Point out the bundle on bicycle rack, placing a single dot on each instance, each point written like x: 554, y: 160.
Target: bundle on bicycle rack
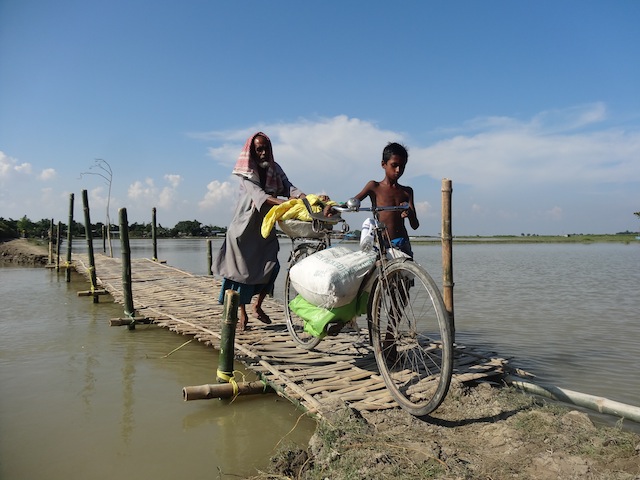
x: 300, y: 229
x: 300, y: 217
x: 328, y: 285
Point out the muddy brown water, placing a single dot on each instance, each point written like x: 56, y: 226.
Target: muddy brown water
x: 81, y: 399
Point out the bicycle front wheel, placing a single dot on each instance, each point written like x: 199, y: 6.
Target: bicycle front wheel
x: 295, y: 324
x: 412, y: 337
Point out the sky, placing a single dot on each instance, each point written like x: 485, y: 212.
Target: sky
x: 531, y: 109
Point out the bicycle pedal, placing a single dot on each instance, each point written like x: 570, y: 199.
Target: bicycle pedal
x: 334, y: 329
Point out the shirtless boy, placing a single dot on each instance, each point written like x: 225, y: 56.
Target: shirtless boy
x: 389, y: 192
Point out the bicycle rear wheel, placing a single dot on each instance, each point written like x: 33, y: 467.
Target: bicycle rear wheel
x: 412, y: 337
x: 295, y: 324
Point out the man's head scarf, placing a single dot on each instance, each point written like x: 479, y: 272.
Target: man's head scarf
x: 247, y: 167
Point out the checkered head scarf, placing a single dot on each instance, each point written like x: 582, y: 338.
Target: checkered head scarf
x: 247, y: 167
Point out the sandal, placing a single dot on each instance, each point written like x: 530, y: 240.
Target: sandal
x: 263, y: 317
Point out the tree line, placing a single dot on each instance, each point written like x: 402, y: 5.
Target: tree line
x: 26, y: 228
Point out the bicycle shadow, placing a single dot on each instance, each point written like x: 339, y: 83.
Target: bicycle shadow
x: 499, y: 417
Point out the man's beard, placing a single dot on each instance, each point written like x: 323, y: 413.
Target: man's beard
x: 264, y: 164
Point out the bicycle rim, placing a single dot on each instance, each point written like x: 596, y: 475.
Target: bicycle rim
x: 295, y: 324
x: 412, y: 337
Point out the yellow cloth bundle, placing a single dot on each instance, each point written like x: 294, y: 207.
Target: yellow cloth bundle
x: 293, y: 209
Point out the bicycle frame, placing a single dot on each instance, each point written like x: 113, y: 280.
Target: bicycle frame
x: 381, y: 245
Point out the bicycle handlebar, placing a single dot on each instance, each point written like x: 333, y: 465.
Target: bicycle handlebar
x: 353, y: 205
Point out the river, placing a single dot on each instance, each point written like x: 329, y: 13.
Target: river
x: 81, y: 399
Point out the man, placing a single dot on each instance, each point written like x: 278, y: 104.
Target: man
x: 248, y: 262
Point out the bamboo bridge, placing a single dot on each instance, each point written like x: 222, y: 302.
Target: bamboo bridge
x: 342, y: 367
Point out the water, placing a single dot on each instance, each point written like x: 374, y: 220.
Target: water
x: 566, y: 312
x: 81, y: 399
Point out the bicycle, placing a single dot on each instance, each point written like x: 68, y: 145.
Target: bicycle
x: 408, y: 324
x: 316, y: 236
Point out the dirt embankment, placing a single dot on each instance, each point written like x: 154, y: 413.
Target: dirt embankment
x: 22, y: 251
x: 479, y: 432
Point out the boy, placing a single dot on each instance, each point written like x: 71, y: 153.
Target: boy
x: 389, y: 192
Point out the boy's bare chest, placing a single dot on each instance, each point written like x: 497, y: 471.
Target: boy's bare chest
x: 387, y: 196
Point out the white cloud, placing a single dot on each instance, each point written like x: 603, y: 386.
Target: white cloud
x: 139, y: 190
x: 424, y: 209
x: 549, y: 149
x: 48, y: 174
x: 501, y: 167
x: 566, y: 167
x: 9, y: 167
x: 220, y: 196
x: 331, y: 155
x: 174, y: 180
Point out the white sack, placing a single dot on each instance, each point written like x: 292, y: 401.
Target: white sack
x: 331, y: 278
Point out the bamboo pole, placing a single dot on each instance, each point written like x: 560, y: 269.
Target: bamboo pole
x: 118, y: 322
x: 126, y: 267
x: 592, y: 402
x: 447, y: 253
x: 69, y: 238
x: 89, y: 236
x: 224, y: 390
x: 104, y: 239
x: 51, y: 242
x: 153, y: 234
x: 58, y: 237
x: 209, y: 257
x: 227, y: 336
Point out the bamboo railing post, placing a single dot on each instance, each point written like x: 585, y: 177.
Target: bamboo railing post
x: 227, y: 336
x: 447, y: 253
x: 209, y: 257
x: 89, y: 237
x: 227, y: 387
x: 104, y: 239
x: 58, y: 238
x: 69, y: 238
x: 153, y: 234
x: 51, y: 242
x: 126, y: 267
x: 94, y: 292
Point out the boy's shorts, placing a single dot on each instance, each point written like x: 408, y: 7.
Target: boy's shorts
x: 403, y: 244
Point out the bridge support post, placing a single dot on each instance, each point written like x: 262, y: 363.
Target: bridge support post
x: 69, y: 239
x: 228, y: 336
x: 94, y: 292
x: 447, y: 253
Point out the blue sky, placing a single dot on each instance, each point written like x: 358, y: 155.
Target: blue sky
x: 532, y: 109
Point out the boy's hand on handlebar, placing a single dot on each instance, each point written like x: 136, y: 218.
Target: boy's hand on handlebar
x: 404, y: 213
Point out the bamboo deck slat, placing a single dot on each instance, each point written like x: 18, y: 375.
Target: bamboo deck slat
x: 342, y: 366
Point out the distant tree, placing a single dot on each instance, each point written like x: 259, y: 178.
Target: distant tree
x: 8, y: 228
x: 140, y: 230
x: 188, y: 228
x: 24, y: 226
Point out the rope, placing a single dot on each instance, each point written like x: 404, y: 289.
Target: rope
x: 229, y: 377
